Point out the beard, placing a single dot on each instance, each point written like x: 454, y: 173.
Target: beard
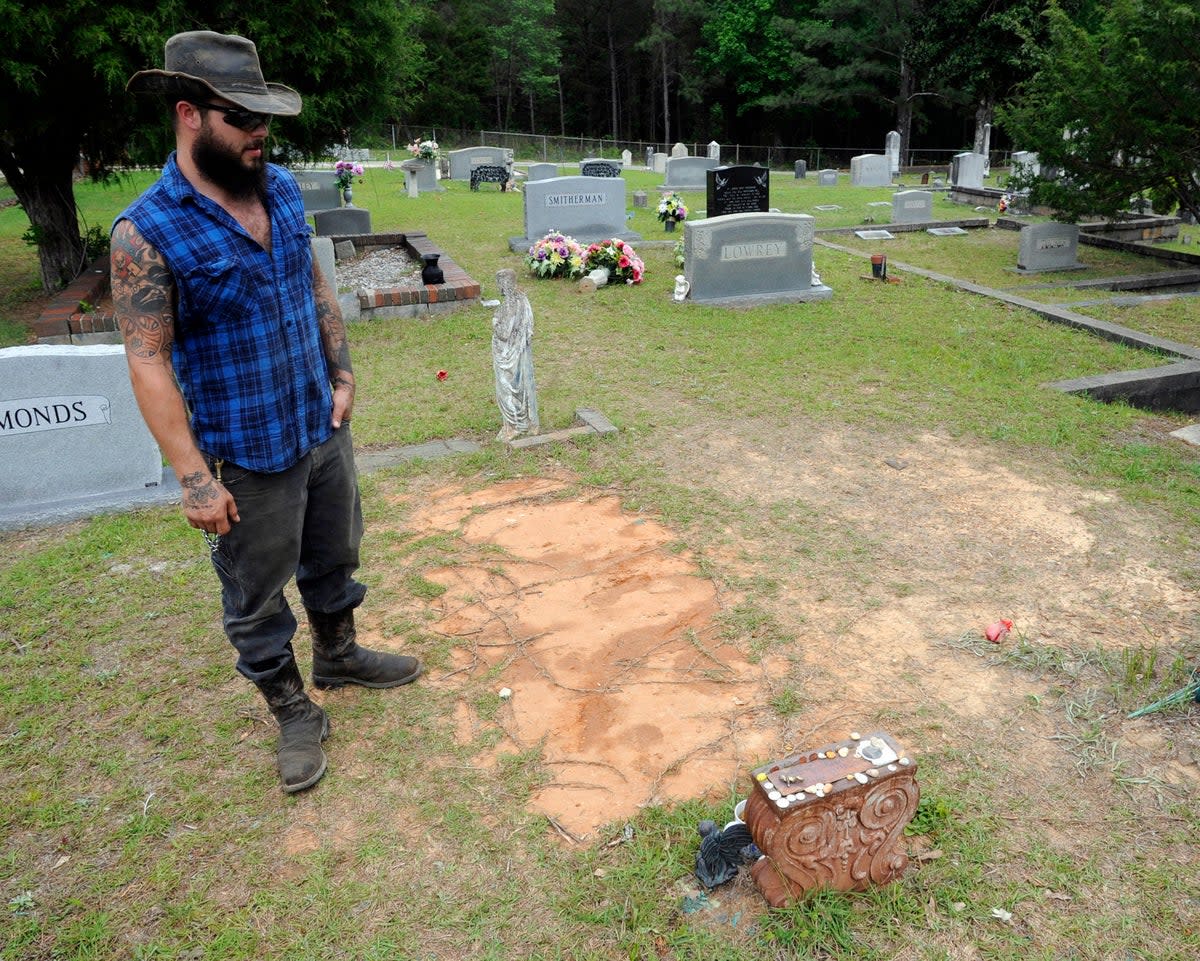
x: 225, y: 167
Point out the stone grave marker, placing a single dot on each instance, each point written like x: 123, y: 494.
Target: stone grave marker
x: 801, y: 169
x: 738, y: 190
x: 987, y: 149
x: 1049, y: 246
x: 461, y: 161
x: 343, y: 222
x: 424, y: 174
x: 967, y: 170
x: 874, y: 235
x: 688, y: 173
x: 586, y: 208
x: 827, y: 207
x: 70, y: 428
x: 912, y: 206
x: 649, y: 158
x: 714, y: 151
x: 891, y: 148
x: 870, y: 170
x: 827, y: 178
x: 679, y: 150
x: 325, y: 259
x: 542, y: 171
x: 626, y: 158
x: 598, y: 167
x: 658, y: 162
x: 1025, y: 161
x: 751, y: 258
x: 639, y: 198
x: 318, y: 189
x: 946, y: 231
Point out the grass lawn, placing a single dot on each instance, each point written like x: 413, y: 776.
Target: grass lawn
x: 143, y: 817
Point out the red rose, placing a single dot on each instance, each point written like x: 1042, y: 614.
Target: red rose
x: 442, y: 374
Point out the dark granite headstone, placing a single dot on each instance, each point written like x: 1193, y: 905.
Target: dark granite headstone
x: 738, y: 190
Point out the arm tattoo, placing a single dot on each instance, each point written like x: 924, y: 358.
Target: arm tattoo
x: 143, y: 294
x: 333, y: 333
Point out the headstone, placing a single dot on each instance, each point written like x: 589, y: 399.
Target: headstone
x: 827, y: 207
x: 626, y: 158
x: 874, y: 235
x: 738, y: 190
x: 596, y: 167
x: 870, y: 170
x: 342, y: 152
x: 827, y: 178
x: 912, y: 206
x: 1025, y: 162
x: 461, y: 161
x: 679, y: 150
x: 658, y: 163
x: 967, y: 170
x: 70, y: 427
x: 318, y: 189
x: 987, y: 149
x: 343, y: 222
x: 586, y: 208
x: 801, y: 169
x: 542, y: 171
x: 425, y: 174
x: 324, y: 258
x: 512, y: 359
x: 945, y: 231
x: 714, y: 151
x: 688, y: 173
x: 639, y: 198
x: 748, y: 258
x: 649, y: 158
x: 891, y: 147
x: 1049, y: 246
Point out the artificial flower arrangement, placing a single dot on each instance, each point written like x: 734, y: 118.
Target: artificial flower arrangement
x: 671, y: 207
x: 555, y: 255
x: 679, y: 259
x: 426, y: 150
x: 344, y: 173
x: 620, y: 259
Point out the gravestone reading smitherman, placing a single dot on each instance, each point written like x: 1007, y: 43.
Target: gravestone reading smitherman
x: 586, y: 208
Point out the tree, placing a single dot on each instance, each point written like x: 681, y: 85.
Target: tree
x: 67, y: 61
x: 524, y: 56
x: 1113, y: 106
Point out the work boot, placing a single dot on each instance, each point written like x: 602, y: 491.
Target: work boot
x: 302, y: 728
x: 338, y: 659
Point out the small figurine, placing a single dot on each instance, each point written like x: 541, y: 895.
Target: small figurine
x: 512, y: 360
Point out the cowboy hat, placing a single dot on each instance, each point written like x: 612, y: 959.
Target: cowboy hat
x: 224, y: 63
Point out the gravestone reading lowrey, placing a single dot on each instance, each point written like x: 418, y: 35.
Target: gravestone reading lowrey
x: 586, y: 208
x: 738, y: 190
x: 688, y: 173
x: 71, y: 435
x: 912, y: 206
x: 751, y: 258
x: 1049, y: 246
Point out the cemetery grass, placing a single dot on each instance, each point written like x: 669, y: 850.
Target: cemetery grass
x: 145, y: 819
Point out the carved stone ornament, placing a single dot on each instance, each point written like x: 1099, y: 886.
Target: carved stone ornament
x: 805, y: 232
x: 702, y: 241
x: 834, y: 818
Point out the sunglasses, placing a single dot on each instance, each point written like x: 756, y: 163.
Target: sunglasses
x: 237, y: 117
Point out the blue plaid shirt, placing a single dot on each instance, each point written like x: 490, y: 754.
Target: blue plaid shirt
x: 248, y: 353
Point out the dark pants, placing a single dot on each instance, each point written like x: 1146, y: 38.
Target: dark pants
x: 305, y: 521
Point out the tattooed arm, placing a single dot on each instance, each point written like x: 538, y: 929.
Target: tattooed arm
x: 144, y: 300
x: 337, y: 350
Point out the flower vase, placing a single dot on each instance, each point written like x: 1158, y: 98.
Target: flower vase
x: 347, y: 196
x: 669, y: 224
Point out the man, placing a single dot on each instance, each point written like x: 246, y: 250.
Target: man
x: 240, y: 366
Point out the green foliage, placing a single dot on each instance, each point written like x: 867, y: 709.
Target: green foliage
x: 1113, y: 106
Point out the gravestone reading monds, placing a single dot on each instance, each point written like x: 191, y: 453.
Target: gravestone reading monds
x: 738, y: 190
x: 542, y: 171
x: 912, y: 206
x: 891, y: 148
x: 589, y: 209
x: 70, y: 428
x: 1049, y: 246
x: 870, y: 170
x: 318, y: 189
x: 751, y: 258
x: 688, y: 173
x: 461, y: 161
x: 827, y: 178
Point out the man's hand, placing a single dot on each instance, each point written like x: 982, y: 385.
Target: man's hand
x: 343, y: 400
x: 208, y: 506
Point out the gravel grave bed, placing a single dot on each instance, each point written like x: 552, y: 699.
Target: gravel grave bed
x: 389, y: 267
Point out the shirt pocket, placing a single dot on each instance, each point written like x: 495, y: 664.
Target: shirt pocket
x: 214, y: 292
